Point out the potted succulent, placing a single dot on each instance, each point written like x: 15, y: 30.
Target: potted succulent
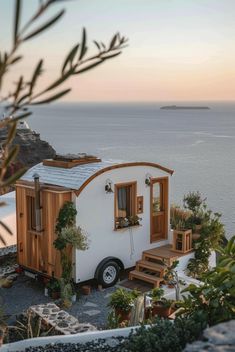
x: 160, y: 305
x: 122, y: 302
x: 54, y: 288
x: 122, y: 222
x: 134, y: 220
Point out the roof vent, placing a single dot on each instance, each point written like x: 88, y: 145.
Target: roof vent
x: 70, y: 160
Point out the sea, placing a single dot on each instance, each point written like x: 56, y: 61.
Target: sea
x: 198, y: 144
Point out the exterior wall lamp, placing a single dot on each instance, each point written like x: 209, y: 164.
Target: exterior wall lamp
x: 148, y: 179
x: 108, y: 186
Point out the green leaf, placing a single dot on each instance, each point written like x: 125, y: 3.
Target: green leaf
x: 109, y: 56
x: 70, y: 57
x: 11, y: 180
x: 45, y: 25
x: 36, y: 74
x: 89, y: 67
x: 97, y: 44
x: 11, y: 156
x: 11, y: 132
x: 83, y: 45
x: 59, y: 81
x: 113, y: 41
x: 15, y: 59
x: 52, y: 98
x: 8, y: 230
x: 17, y: 19
x: 19, y: 87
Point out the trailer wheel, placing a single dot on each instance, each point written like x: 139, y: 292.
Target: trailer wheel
x: 108, y: 274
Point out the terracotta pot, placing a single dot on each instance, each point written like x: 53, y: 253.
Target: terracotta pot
x: 198, y: 228
x: 171, y: 285
x: 161, y: 311
x: 55, y: 294
x: 86, y: 290
x: 196, y: 236
x: 122, y: 314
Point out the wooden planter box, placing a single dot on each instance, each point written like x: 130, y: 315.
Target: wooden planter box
x: 182, y: 241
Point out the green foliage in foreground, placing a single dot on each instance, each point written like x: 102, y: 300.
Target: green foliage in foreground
x: 215, y: 299
x: 165, y: 335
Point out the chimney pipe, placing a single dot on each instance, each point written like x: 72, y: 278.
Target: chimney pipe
x: 37, y: 202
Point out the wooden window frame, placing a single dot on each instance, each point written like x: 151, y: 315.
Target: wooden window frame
x: 139, y: 204
x: 133, y: 200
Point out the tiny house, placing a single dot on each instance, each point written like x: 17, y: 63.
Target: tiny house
x: 122, y: 206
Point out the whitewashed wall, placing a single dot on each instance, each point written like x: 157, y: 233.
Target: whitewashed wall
x: 96, y: 216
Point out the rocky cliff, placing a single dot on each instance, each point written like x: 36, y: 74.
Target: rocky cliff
x: 32, y: 149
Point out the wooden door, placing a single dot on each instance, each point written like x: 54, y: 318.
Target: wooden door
x: 159, y: 209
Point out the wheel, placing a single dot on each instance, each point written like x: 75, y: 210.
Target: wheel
x: 108, y: 274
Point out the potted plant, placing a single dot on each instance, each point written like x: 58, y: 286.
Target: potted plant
x: 54, y: 288
x: 122, y: 302
x: 134, y: 220
x: 122, y: 222
x: 160, y: 305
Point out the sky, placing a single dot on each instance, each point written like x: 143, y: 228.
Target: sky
x: 179, y: 50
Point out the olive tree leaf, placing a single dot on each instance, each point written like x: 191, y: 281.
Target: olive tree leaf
x: 11, y: 156
x: 17, y: 19
x: 12, y: 179
x: 89, y: 67
x: 70, y: 57
x: 36, y: 74
x: 83, y: 45
x: 113, y: 41
x: 8, y: 230
x: 52, y: 98
x: 46, y: 25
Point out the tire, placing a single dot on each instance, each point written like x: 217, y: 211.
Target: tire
x: 108, y: 274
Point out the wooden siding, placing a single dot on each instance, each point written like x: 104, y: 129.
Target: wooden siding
x: 35, y: 249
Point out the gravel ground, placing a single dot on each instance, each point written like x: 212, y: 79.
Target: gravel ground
x: 109, y: 345
x: 26, y: 292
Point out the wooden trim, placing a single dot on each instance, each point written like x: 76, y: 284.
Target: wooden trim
x: 47, y: 187
x: 166, y: 206
x: 133, y: 200
x: 69, y: 164
x: 118, y: 166
x: 139, y: 204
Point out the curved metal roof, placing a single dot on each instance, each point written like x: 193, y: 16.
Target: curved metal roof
x: 79, y: 176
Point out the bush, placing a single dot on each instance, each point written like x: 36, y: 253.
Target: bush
x: 165, y: 335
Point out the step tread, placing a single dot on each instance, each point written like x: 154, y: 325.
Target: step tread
x: 142, y: 275
x: 149, y: 264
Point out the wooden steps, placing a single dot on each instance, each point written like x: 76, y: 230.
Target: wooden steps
x: 135, y: 274
x: 152, y: 266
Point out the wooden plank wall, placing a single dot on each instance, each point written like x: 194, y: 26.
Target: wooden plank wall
x: 36, y: 250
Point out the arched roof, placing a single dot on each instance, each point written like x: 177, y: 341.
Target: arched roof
x: 79, y: 176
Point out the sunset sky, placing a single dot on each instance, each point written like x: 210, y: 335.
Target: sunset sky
x: 178, y: 49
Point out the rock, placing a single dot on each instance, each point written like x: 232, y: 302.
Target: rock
x: 6, y: 283
x: 32, y: 149
x: 218, y: 338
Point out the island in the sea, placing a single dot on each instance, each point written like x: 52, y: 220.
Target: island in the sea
x: 177, y: 107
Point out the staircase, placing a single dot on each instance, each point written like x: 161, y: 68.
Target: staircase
x: 152, y: 266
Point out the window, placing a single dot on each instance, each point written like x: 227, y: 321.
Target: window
x: 31, y: 213
x: 125, y: 203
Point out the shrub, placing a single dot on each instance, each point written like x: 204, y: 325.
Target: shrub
x: 164, y: 335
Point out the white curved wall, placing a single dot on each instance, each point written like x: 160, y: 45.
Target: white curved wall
x: 96, y: 216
